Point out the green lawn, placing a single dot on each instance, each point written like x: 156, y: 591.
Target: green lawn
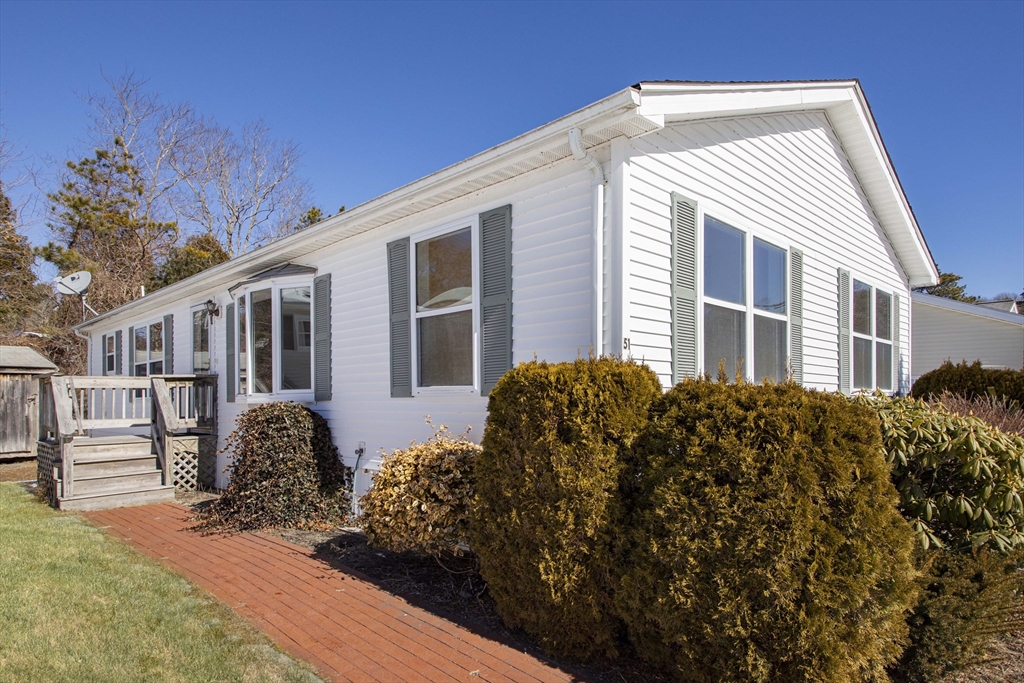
x: 78, y: 605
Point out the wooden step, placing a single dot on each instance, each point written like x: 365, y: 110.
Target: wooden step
x: 115, y: 464
x: 90, y: 448
x: 106, y: 500
x: 120, y: 482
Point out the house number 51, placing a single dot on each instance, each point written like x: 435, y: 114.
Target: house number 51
x: 625, y: 343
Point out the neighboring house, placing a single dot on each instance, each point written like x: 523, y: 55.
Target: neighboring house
x: 679, y: 223
x: 945, y: 329
x: 1008, y: 305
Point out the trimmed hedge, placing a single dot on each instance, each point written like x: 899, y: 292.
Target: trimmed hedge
x: 970, y: 381
x: 765, y: 540
x: 420, y: 498
x: 960, y: 479
x: 548, y: 513
x: 286, y: 473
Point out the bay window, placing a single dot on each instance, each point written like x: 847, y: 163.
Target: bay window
x: 444, y: 312
x: 872, y: 338
x: 745, y: 306
x: 274, y: 335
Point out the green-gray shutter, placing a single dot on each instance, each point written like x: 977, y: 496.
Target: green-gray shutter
x: 229, y: 352
x: 844, y: 331
x: 684, y: 288
x: 796, y: 314
x: 495, y: 296
x: 400, y: 312
x: 103, y: 355
x: 896, y: 357
x: 322, y: 338
x: 131, y: 351
x: 168, y: 344
x: 117, y: 352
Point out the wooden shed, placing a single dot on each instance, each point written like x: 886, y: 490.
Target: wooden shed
x: 20, y: 370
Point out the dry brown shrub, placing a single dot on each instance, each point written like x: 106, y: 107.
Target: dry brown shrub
x: 420, y: 498
x: 999, y: 411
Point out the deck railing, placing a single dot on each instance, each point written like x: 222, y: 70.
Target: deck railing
x: 76, y: 406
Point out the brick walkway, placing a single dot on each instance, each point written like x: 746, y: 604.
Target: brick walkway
x: 333, y: 618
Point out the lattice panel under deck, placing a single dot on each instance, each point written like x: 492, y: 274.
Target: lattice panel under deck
x: 47, y: 455
x: 185, y: 465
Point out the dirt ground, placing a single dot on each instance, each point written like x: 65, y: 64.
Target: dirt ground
x: 18, y: 470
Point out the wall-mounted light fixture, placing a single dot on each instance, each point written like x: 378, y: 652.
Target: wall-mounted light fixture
x: 212, y: 308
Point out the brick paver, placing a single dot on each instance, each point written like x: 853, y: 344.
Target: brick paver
x: 332, y: 617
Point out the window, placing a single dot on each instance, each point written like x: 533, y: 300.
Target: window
x: 744, y: 303
x: 274, y: 339
x: 444, y: 314
x: 872, y: 338
x: 149, y: 349
x: 200, y: 340
x: 109, y: 358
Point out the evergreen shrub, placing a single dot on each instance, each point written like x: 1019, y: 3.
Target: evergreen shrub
x: 420, y: 498
x: 547, y: 513
x: 765, y: 540
x: 960, y: 479
x: 967, y: 600
x: 970, y: 381
x: 285, y: 473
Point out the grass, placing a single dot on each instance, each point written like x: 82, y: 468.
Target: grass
x: 79, y: 605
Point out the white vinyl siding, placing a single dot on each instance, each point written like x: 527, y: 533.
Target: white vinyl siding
x: 941, y: 334
x: 784, y: 177
x: 550, y: 305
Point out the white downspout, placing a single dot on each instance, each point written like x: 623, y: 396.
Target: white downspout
x: 580, y: 153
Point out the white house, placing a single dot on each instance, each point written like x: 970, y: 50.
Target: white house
x: 956, y: 331
x: 678, y: 223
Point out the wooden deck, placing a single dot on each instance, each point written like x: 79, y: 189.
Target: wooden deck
x: 92, y: 455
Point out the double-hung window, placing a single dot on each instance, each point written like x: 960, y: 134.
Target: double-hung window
x: 745, y: 306
x: 109, y: 355
x: 274, y: 337
x: 445, y: 311
x: 872, y: 338
x: 149, y: 349
x: 200, y: 340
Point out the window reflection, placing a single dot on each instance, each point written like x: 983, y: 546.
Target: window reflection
x: 262, y: 342
x: 295, y: 338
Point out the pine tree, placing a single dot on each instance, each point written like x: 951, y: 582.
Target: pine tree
x: 20, y: 292
x: 199, y: 253
x: 949, y: 287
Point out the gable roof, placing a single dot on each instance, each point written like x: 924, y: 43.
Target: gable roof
x: 631, y: 112
x: 966, y: 308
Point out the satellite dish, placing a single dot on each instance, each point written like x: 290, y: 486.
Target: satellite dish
x: 76, y: 283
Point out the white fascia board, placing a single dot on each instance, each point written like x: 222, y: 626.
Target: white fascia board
x: 617, y: 108
x: 968, y: 309
x: 848, y: 111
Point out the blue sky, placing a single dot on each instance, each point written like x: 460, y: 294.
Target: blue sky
x: 378, y: 95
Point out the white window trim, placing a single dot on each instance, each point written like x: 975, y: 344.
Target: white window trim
x: 473, y: 223
x: 111, y: 338
x: 873, y: 337
x: 197, y: 308
x: 149, y: 360
x: 749, y: 234
x: 275, y: 285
